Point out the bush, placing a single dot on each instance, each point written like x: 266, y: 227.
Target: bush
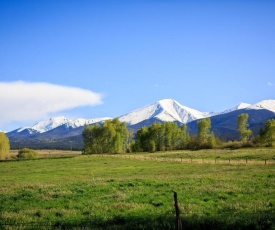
x: 232, y: 145
x: 27, y: 153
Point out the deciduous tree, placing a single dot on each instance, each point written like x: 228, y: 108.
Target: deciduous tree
x: 268, y: 134
x: 204, y: 134
x: 112, y: 137
x: 245, y: 133
x: 4, y: 145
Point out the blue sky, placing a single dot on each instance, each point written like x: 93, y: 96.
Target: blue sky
x: 207, y: 55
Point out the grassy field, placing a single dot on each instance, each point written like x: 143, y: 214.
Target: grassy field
x: 71, y: 191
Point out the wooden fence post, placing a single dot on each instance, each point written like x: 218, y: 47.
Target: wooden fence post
x: 178, y: 219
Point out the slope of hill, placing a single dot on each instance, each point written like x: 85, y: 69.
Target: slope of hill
x: 225, y: 125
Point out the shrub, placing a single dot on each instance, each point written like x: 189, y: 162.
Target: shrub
x: 27, y: 153
x: 232, y: 145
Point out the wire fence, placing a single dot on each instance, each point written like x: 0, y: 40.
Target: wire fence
x: 191, y: 160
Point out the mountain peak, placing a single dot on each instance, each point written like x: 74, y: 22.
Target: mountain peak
x: 242, y: 105
x: 46, y: 125
x: 168, y: 110
x: 265, y: 104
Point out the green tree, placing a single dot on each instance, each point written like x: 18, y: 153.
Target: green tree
x: 204, y: 134
x: 142, y: 140
x: 4, y: 146
x: 245, y: 133
x: 158, y: 137
x: 112, y: 137
x: 151, y: 146
x: 156, y: 132
x: 92, y: 138
x: 212, y: 141
x: 268, y: 134
x: 184, y: 137
x: 172, y: 136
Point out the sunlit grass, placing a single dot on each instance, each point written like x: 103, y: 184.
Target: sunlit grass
x: 104, y: 192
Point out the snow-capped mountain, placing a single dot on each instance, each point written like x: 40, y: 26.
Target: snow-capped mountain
x: 44, y: 126
x: 82, y: 122
x: 52, y: 123
x: 60, y: 132
x: 167, y: 110
x: 237, y: 107
x: 265, y: 104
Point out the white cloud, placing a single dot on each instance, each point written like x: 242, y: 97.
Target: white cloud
x: 25, y: 101
x: 269, y: 84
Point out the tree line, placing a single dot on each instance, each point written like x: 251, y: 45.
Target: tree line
x: 113, y: 136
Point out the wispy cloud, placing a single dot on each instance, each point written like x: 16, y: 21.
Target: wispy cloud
x: 25, y: 101
x: 269, y: 84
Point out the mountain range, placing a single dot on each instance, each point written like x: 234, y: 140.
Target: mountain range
x: 62, y: 133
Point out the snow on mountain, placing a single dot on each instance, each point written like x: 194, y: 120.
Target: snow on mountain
x: 265, y: 104
x: 47, y: 125
x: 44, y: 126
x: 237, y: 107
x: 82, y: 122
x: 165, y: 110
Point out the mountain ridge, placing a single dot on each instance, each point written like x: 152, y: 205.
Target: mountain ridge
x: 57, y: 131
x: 165, y: 110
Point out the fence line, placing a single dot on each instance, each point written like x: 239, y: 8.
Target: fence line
x: 190, y: 160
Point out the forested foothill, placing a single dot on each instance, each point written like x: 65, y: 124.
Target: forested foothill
x: 114, y: 137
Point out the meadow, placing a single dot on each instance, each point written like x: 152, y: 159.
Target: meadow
x: 217, y: 189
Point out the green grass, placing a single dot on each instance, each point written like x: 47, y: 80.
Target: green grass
x: 224, y: 154
x: 119, y: 193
